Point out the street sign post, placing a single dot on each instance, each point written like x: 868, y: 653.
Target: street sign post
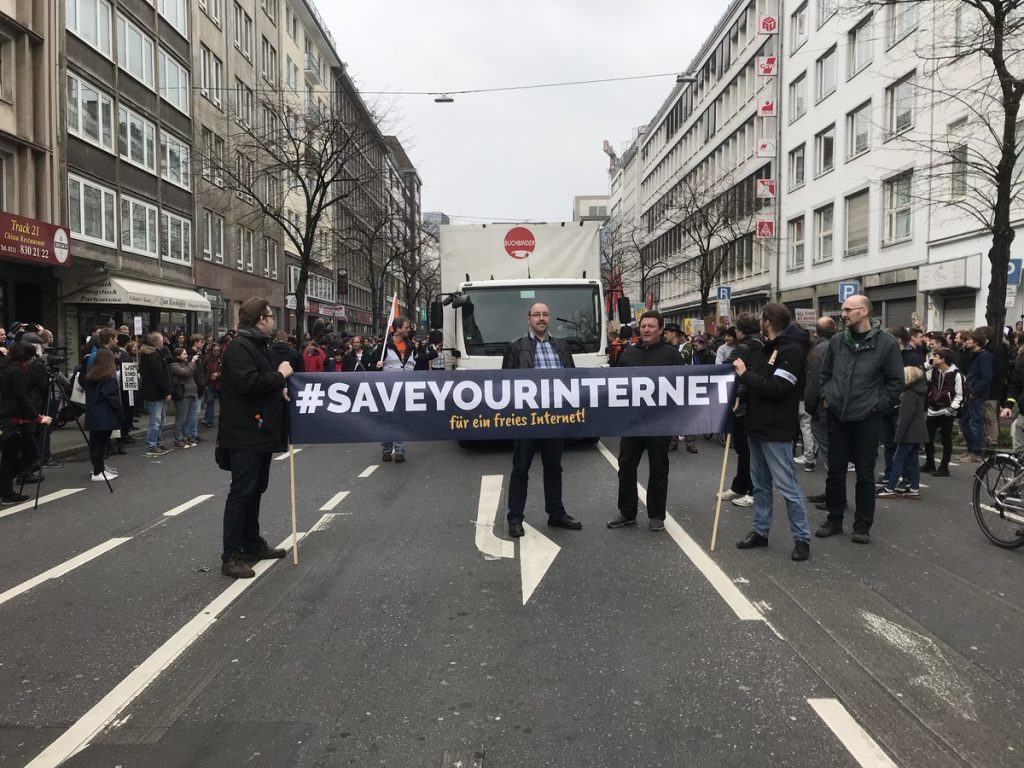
x: 847, y: 289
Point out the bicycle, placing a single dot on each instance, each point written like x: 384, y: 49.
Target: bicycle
x: 999, y: 499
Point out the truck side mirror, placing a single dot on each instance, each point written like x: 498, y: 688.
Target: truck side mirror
x: 625, y: 308
x: 436, y: 314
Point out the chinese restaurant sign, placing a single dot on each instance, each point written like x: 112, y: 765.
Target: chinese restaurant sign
x: 33, y: 241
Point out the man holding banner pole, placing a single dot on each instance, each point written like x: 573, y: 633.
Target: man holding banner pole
x: 537, y: 349
x: 397, y: 353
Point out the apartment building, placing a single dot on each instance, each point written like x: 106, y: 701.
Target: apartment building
x: 708, y: 146
x: 34, y: 251
x: 620, y: 236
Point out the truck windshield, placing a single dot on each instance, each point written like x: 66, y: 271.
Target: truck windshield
x: 498, y: 315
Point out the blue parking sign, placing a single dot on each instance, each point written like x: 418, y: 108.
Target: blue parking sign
x: 1013, y: 272
x: 847, y: 289
x: 725, y: 293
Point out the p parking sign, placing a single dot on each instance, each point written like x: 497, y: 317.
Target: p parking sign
x: 847, y: 289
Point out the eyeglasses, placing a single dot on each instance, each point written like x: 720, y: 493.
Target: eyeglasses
x: 848, y: 310
x: 540, y: 314
x: 267, y: 316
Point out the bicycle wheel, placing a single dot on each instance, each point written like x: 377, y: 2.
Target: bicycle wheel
x: 998, y: 505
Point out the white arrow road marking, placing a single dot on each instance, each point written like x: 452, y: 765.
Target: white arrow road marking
x: 864, y: 749
x: 536, y: 554
x: 486, y: 515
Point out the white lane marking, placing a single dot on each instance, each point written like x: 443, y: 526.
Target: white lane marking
x: 536, y: 554
x: 334, y: 501
x: 66, y: 567
x: 110, y: 706
x: 284, y: 455
x: 42, y: 500
x: 369, y: 470
x: 742, y: 607
x: 858, y: 743
x: 486, y: 514
x: 325, y: 522
x: 188, y: 505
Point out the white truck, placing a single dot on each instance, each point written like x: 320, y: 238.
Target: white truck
x: 492, y: 273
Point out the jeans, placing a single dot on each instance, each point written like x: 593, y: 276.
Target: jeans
x: 250, y: 475
x: 972, y: 424
x: 1017, y: 430
x: 944, y: 426
x: 819, y: 428
x: 193, y: 422
x: 155, y: 408
x: 741, y: 481
x: 630, y: 451
x: 522, y: 457
x: 183, y: 411
x: 395, y: 447
x: 208, y: 398
x: 855, y: 441
x: 806, y: 434
x: 904, y: 463
x: 771, y: 466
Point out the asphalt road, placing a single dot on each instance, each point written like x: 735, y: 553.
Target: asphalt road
x: 402, y: 637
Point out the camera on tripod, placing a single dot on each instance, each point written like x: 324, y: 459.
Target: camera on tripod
x: 56, y: 359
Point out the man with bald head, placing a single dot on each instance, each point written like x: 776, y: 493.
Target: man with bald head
x: 538, y: 349
x: 861, y: 378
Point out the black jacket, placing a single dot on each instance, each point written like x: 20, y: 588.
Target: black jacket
x: 356, y: 362
x: 154, y: 374
x: 252, y: 415
x: 16, y: 395
x: 520, y: 352
x: 858, y: 379
x: 910, y: 426
x: 103, y: 409
x: 658, y: 353
x: 812, y: 389
x: 749, y: 351
x: 281, y: 351
x: 775, y: 386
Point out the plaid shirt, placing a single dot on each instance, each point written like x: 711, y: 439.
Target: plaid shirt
x: 545, y: 355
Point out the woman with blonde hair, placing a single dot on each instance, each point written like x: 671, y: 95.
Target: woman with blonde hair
x: 911, y: 431
x: 103, y: 410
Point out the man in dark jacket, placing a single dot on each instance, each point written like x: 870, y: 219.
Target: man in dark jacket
x: 775, y: 387
x: 282, y: 349
x: 824, y: 330
x: 652, y: 350
x: 748, y: 349
x: 357, y: 358
x: 252, y: 427
x: 537, y: 349
x: 978, y: 369
x: 861, y: 377
x: 155, y: 390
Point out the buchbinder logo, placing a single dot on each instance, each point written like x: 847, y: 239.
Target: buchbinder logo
x: 519, y: 242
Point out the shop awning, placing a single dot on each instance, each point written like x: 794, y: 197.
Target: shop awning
x: 141, y: 293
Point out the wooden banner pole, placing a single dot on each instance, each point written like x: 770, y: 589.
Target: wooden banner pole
x: 721, y: 489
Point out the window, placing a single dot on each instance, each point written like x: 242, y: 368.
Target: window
x: 213, y: 237
x: 798, y: 97
x: 857, y: 224
x: 826, y: 74
x: 174, y: 82
x: 796, y: 243
x: 268, y: 62
x: 270, y: 8
x: 293, y: 74
x: 175, y: 238
x: 271, y: 190
x: 858, y: 130
x: 798, y: 27
x: 1019, y: 133
x: 91, y: 211
x: 961, y: 27
x: 859, y: 43
x: 826, y: 10
x: 136, y: 139
x: 958, y: 171
x: 243, y: 32
x: 243, y: 103
x: 270, y: 258
x: 243, y: 254
x: 899, y: 105
x: 90, y: 114
x: 212, y: 9
x: 213, y: 156
x: 823, y: 218
x: 825, y: 150
x: 900, y: 20
x: 292, y: 24
x: 176, y: 13
x: 134, y: 51
x: 244, y: 173
x: 174, y: 160
x: 210, y: 73
x: 897, y: 208
x: 138, y: 226
x: 796, y: 168
x: 90, y: 20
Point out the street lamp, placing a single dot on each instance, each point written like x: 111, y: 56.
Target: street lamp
x: 683, y: 77
x: 443, y: 98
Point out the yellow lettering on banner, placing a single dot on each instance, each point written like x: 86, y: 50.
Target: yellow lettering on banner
x: 546, y: 419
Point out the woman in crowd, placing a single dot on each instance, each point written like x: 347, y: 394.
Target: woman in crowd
x: 212, y: 363
x: 17, y: 448
x: 103, y: 411
x: 184, y: 393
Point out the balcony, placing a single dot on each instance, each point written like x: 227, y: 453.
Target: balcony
x: 314, y: 69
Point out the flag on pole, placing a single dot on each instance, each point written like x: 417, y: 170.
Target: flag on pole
x: 387, y: 328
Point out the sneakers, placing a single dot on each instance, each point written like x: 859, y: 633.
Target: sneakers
x: 399, y: 458
x: 910, y: 493
x: 621, y: 522
x: 103, y: 476
x: 941, y: 472
x: 744, y: 501
x: 156, y: 451
x: 729, y: 495
x: 829, y: 528
x: 809, y: 466
x: 656, y: 525
x: 183, y: 444
x: 690, y: 448
x: 799, y: 460
x: 751, y: 540
x: 385, y: 457
x: 860, y: 537
x: 52, y: 463
x: 885, y: 493
x: 969, y: 458
x: 237, y: 568
x: 197, y: 439
x: 801, y: 551
x: 14, y: 498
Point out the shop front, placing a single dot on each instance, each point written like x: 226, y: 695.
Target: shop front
x: 140, y: 304
x: 31, y: 254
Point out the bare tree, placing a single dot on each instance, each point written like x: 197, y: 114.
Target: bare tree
x: 624, y: 262
x: 420, y: 269
x: 293, y: 166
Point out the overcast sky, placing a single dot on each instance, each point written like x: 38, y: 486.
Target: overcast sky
x: 519, y: 155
